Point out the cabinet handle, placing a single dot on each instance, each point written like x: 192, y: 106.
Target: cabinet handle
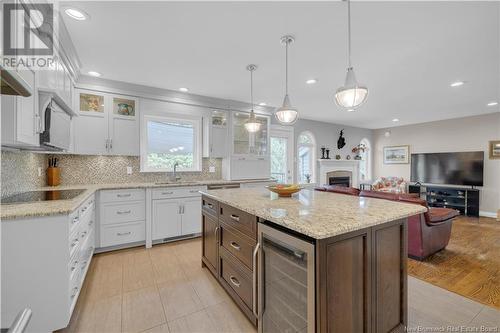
x: 75, y: 220
x: 121, y: 212
x: 167, y: 193
x: 75, y: 243
x: 110, y: 143
x: 254, y: 279
x: 75, y: 264
x: 210, y: 206
x: 193, y: 191
x: 235, y: 217
x: 107, y: 144
x: 235, y: 245
x: 75, y: 291
x: 123, y: 195
x: 123, y: 233
x: 216, y: 233
x: 83, y: 234
x: 234, y: 281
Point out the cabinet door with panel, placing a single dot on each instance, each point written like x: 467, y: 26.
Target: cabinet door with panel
x: 210, y: 240
x: 166, y: 218
x: 91, y: 135
x: 123, y: 126
x: 191, y: 216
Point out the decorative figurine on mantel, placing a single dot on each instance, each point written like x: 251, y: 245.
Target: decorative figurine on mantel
x: 337, y: 157
x: 328, y: 154
x: 361, y: 148
x: 341, y: 141
x: 323, y: 152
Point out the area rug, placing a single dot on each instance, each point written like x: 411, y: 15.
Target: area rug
x: 470, y: 265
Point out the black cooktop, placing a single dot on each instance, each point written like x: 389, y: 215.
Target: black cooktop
x: 48, y: 195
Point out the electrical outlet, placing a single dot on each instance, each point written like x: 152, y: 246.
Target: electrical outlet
x: 211, y: 169
x: 39, y: 171
x: 129, y: 170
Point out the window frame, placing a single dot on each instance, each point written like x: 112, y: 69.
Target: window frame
x: 368, y: 160
x: 312, y: 146
x: 197, y: 141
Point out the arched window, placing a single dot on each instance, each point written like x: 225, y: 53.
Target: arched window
x: 365, y: 171
x: 306, y: 156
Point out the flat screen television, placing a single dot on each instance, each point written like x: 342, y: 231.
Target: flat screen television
x: 465, y: 168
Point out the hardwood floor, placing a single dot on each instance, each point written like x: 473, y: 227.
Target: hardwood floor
x: 470, y: 265
x: 165, y: 290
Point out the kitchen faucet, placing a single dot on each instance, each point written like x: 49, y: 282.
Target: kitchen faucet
x: 174, y: 176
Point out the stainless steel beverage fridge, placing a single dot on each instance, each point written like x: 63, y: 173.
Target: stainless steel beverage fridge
x: 286, y: 293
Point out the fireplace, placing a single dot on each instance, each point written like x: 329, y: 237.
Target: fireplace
x: 339, y: 178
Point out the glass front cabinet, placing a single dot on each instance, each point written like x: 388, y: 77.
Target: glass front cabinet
x: 250, y: 145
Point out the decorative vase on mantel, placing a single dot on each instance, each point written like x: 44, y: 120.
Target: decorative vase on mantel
x: 323, y: 149
x: 327, y: 154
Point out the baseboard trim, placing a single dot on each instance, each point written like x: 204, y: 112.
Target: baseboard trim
x: 488, y: 214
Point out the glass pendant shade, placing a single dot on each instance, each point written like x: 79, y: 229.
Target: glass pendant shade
x: 352, y: 94
x: 287, y: 115
x: 252, y: 125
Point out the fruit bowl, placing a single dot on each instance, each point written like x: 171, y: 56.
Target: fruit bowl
x: 284, y: 190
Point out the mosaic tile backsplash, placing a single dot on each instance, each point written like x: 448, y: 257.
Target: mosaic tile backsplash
x: 19, y: 170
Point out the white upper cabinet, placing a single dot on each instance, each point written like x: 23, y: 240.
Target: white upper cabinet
x: 250, y: 145
x: 20, y: 118
x: 57, y: 80
x: 107, y: 124
x: 216, y: 134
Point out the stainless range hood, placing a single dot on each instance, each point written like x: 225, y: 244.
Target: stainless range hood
x: 13, y: 84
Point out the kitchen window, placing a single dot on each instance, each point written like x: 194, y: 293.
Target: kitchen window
x: 169, y: 140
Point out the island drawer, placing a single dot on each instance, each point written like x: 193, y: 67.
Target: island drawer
x: 237, y: 278
x: 210, y: 206
x: 238, y: 245
x: 238, y: 219
x: 122, y: 195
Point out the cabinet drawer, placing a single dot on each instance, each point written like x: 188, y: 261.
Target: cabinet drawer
x: 239, y: 220
x: 177, y: 192
x: 74, y: 222
x: 237, y: 279
x: 210, y: 205
x: 238, y: 245
x: 122, y: 212
x: 122, y: 195
x: 116, y: 234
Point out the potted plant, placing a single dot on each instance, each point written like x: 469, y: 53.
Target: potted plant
x: 361, y: 148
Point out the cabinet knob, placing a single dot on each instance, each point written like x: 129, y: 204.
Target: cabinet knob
x: 235, y: 217
x: 235, y: 245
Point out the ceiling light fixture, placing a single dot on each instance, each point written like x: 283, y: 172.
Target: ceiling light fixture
x: 492, y: 103
x: 262, y: 104
x: 287, y: 114
x: 94, y: 73
x: 395, y: 120
x: 387, y: 133
x: 184, y: 89
x: 352, y: 94
x: 311, y: 81
x: 457, y: 84
x: 76, y: 14
x: 252, y: 125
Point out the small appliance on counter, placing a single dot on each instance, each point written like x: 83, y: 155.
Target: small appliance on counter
x: 53, y: 172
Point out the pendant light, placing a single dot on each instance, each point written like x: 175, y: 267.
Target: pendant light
x: 252, y: 125
x: 287, y: 115
x: 352, y: 94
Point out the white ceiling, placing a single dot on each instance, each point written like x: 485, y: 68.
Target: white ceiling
x: 407, y: 53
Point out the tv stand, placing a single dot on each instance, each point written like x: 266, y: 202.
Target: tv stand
x: 465, y: 200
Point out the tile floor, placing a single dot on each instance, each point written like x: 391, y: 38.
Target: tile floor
x: 164, y: 289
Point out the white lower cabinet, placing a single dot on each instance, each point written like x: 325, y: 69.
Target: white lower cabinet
x: 122, y: 217
x: 176, y: 212
x: 44, y: 264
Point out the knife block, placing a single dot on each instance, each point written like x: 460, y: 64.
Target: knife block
x: 53, y: 176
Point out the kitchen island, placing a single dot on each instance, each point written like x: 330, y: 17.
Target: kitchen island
x: 315, y: 262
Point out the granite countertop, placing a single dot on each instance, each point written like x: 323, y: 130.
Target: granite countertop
x: 47, y: 208
x: 316, y: 214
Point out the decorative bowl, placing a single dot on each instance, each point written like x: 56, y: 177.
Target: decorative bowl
x: 284, y: 190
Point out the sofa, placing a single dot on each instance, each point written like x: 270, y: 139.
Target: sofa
x: 428, y: 233
x: 390, y: 184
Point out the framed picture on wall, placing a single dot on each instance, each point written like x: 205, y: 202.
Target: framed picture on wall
x: 495, y: 149
x: 397, y: 154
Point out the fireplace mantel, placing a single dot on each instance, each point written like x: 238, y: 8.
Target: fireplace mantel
x: 326, y: 166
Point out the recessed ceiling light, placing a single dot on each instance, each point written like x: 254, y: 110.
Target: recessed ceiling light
x: 457, y: 84
x: 395, y: 120
x: 311, y: 81
x: 76, y: 14
x: 492, y: 103
x: 262, y: 104
x: 93, y: 73
x: 184, y: 89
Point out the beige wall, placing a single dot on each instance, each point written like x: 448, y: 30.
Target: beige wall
x: 463, y: 134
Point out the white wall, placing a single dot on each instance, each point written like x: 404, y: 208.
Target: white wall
x: 462, y: 134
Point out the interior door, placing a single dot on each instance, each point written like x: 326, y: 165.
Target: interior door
x: 281, y: 140
x: 166, y: 218
x: 191, y: 216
